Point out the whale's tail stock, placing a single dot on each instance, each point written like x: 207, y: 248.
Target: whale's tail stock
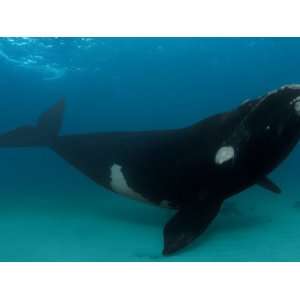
x: 46, y: 129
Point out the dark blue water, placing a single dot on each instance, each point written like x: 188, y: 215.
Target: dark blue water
x: 49, y: 211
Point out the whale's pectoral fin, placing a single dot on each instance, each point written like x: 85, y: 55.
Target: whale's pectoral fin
x: 188, y: 223
x: 269, y: 185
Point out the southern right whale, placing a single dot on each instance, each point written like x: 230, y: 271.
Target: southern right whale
x: 192, y: 169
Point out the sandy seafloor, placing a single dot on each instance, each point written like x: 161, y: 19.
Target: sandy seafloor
x: 51, y: 212
x: 56, y: 214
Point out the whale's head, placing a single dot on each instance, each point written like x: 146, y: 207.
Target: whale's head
x: 269, y: 130
x: 276, y: 116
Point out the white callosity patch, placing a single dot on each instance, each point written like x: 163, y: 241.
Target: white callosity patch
x: 119, y: 184
x: 224, y: 154
x: 245, y: 101
x: 293, y: 86
x: 272, y: 92
x: 297, y: 107
x: 296, y: 103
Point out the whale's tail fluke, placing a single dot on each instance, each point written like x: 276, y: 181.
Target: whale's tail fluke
x: 43, y: 134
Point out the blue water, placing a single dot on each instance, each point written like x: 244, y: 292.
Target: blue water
x: 51, y: 212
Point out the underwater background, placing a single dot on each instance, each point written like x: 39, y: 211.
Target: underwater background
x: 51, y: 212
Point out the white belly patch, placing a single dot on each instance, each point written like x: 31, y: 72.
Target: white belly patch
x: 119, y: 183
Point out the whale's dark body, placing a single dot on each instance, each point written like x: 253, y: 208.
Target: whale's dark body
x: 192, y: 170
